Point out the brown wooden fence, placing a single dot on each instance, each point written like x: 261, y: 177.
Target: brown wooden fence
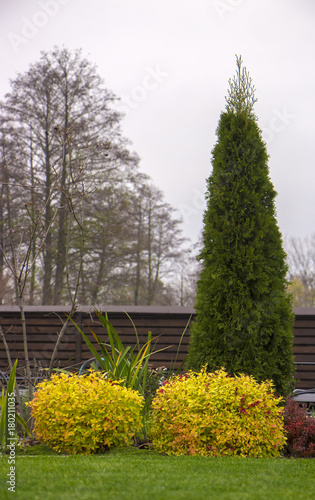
x: 167, y: 325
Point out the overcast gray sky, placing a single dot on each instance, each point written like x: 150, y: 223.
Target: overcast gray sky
x: 170, y: 61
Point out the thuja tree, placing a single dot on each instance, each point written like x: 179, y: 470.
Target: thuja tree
x: 244, y: 318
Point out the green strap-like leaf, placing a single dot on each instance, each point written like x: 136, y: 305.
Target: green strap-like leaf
x: 91, y: 347
x: 23, y: 423
x: 4, y: 406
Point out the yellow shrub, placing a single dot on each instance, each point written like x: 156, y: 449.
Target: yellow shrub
x: 213, y: 414
x: 85, y: 414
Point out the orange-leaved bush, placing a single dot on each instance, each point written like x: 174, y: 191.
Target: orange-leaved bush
x: 85, y: 413
x: 214, y: 414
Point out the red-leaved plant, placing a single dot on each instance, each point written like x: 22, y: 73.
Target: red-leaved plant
x: 300, y: 430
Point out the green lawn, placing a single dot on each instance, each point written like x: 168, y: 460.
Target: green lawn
x: 131, y: 474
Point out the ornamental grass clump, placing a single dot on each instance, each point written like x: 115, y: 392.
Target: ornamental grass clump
x: 85, y: 413
x: 213, y: 414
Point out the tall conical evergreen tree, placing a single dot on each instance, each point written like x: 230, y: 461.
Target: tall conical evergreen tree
x: 244, y: 317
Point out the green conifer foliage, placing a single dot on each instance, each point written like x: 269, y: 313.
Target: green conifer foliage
x: 244, y: 317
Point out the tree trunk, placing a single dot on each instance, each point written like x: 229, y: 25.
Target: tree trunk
x: 62, y: 244
x: 33, y: 245
x: 25, y: 346
x: 48, y: 251
x: 138, y: 261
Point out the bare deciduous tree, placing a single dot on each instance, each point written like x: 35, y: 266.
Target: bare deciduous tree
x: 301, y: 261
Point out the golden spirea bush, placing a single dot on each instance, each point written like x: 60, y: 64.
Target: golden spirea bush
x: 85, y: 413
x: 213, y: 414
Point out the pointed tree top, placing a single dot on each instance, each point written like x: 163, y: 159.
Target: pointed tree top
x: 241, y: 93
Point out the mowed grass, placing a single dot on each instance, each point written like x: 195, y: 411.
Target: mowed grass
x: 131, y: 474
